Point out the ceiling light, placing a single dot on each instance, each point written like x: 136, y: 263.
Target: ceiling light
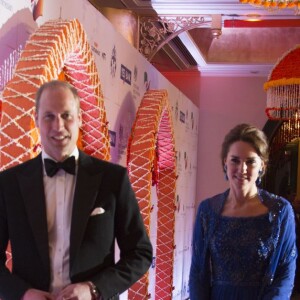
x: 216, y: 32
x: 253, y: 17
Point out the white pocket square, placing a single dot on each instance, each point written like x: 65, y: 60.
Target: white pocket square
x: 98, y: 211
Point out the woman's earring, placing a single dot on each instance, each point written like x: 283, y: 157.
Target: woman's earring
x: 225, y: 172
x: 258, y: 180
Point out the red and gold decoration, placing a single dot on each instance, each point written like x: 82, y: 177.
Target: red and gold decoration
x: 273, y: 4
x: 57, y: 50
x: 151, y: 161
x: 283, y: 88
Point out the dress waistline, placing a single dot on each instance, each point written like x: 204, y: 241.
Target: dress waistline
x: 243, y: 283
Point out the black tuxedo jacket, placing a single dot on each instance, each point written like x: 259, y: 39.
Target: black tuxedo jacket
x: 23, y: 222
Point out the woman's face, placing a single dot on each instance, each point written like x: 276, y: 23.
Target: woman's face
x: 243, y: 165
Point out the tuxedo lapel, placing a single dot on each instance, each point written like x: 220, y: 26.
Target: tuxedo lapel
x: 32, y: 188
x: 87, y: 187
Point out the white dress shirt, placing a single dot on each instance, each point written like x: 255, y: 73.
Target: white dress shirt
x: 59, y: 194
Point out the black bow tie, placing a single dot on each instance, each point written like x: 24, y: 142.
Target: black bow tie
x: 52, y: 167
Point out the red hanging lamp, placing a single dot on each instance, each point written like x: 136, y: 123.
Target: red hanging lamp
x: 283, y: 88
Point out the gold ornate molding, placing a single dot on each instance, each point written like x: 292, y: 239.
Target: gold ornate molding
x: 157, y: 31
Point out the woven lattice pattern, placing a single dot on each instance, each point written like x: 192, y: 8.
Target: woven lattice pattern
x: 57, y: 46
x: 151, y: 159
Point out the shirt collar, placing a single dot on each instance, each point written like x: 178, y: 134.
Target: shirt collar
x: 74, y: 153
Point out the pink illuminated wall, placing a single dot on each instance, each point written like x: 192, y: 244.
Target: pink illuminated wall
x: 224, y: 102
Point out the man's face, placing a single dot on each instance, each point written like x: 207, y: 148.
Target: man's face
x: 58, y: 120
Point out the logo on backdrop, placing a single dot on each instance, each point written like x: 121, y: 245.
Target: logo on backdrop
x: 125, y: 74
x: 113, y: 62
x: 135, y: 73
x: 113, y: 137
x: 146, y: 81
x: 182, y: 117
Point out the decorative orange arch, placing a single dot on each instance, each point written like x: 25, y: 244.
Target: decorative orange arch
x: 151, y: 160
x: 57, y: 47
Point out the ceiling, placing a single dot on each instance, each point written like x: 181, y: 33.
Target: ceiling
x: 240, y: 50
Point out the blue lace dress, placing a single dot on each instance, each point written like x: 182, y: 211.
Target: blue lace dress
x: 240, y: 253
x: 243, y: 258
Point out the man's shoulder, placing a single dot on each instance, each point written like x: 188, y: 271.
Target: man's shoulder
x: 100, y: 163
x: 28, y: 170
x: 21, y: 166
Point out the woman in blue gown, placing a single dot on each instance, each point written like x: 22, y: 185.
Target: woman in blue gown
x: 244, y: 239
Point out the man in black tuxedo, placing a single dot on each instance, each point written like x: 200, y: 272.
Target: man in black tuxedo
x: 62, y: 220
